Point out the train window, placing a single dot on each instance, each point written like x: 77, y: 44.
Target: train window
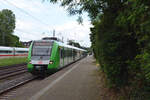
x: 69, y: 53
x: 41, y: 51
x: 66, y: 52
x: 5, y: 52
x: 41, y: 48
x: 61, y: 53
x: 21, y: 51
x: 42, y: 43
x: 74, y: 52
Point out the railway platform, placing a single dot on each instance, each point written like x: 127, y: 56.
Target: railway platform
x: 75, y: 82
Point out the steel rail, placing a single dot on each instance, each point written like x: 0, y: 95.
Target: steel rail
x: 12, y: 66
x: 7, y: 86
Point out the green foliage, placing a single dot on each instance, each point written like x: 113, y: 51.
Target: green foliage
x: 7, y: 26
x: 136, y: 24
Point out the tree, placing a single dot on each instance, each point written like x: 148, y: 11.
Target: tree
x: 7, y: 26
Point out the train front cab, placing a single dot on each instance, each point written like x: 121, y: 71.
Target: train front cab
x: 43, y: 61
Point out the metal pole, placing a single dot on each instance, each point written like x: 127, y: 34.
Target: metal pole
x: 62, y: 39
x: 53, y: 33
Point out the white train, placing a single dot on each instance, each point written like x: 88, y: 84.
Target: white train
x: 13, y: 51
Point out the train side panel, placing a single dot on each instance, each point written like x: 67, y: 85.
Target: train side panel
x: 55, y: 57
x: 6, y: 52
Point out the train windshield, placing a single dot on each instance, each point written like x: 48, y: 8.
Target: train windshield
x: 41, y: 48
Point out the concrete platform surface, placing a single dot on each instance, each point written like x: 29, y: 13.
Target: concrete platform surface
x: 76, y: 82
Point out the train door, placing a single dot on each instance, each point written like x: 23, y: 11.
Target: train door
x: 69, y: 55
x: 61, y: 57
x: 74, y: 56
x: 66, y: 58
x: 14, y: 52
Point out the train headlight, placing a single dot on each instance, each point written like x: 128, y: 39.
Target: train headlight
x: 51, y: 62
x: 30, y: 62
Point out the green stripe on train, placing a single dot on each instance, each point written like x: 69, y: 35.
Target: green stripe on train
x: 30, y: 66
x: 54, y: 57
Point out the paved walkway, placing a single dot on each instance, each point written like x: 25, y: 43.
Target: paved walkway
x: 78, y: 82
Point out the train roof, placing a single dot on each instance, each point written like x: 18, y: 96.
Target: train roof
x: 6, y: 48
x: 69, y: 46
x: 43, y: 40
x: 21, y: 49
x: 61, y: 44
x: 11, y: 48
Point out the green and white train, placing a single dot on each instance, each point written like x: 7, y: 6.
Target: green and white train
x: 46, y: 56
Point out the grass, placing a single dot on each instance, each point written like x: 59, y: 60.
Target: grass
x: 12, y: 61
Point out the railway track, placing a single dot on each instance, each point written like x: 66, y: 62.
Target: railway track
x: 8, y: 85
x: 12, y: 66
x: 12, y: 71
x: 11, y: 77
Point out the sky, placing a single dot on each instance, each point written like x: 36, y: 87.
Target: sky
x: 36, y: 19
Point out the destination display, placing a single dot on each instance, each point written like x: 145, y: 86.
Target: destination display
x: 42, y: 43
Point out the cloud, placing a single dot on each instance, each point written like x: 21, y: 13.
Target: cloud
x: 72, y: 30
